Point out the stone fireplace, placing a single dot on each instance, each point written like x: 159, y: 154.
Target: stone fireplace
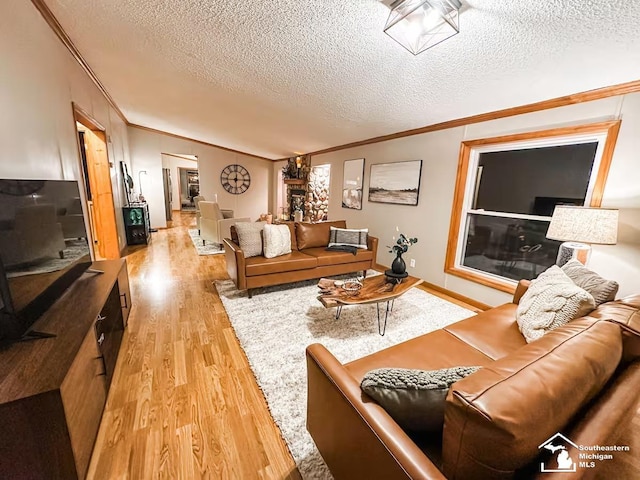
x: 307, y: 188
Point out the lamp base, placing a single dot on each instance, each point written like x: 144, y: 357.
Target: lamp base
x: 573, y: 251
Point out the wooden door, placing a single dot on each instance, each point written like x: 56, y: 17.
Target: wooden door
x: 101, y: 207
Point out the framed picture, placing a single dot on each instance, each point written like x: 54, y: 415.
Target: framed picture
x: 352, y: 177
x: 395, y: 182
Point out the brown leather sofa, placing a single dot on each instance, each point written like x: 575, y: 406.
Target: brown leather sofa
x: 581, y: 379
x: 308, y: 259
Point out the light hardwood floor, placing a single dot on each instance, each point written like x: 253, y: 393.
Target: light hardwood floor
x: 184, y: 403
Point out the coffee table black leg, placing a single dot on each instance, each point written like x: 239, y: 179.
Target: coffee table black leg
x: 338, y: 312
x: 383, y: 328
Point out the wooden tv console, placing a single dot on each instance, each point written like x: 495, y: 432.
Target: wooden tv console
x: 53, y: 390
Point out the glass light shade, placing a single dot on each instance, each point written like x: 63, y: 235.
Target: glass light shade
x: 584, y: 225
x: 420, y: 24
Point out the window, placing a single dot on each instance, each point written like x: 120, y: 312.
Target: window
x: 506, y: 191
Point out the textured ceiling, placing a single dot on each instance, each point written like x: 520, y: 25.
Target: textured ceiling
x: 281, y: 76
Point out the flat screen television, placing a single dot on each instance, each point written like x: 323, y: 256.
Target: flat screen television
x: 43, y: 250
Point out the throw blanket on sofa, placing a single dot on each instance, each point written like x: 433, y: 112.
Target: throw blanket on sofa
x: 342, y: 248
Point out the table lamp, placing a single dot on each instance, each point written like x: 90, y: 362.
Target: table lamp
x: 578, y: 227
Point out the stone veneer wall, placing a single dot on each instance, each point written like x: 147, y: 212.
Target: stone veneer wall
x: 317, y: 204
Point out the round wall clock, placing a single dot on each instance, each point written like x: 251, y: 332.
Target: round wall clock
x: 235, y: 179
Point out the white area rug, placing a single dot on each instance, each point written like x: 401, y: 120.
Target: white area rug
x: 208, y: 248
x: 278, y: 323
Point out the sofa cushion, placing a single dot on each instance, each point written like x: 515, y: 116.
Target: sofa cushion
x: 292, y: 230
x: 326, y: 257
x: 277, y: 240
x: 310, y: 235
x: 625, y: 311
x: 348, y: 237
x: 433, y: 351
x: 494, y: 332
x: 415, y: 399
x: 601, y: 289
x: 496, y: 419
x: 551, y: 300
x: 285, y: 263
x: 250, y: 237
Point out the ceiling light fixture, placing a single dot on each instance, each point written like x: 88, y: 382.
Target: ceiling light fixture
x: 420, y: 24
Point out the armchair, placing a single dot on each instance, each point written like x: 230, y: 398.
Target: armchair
x: 196, y: 200
x: 214, y: 227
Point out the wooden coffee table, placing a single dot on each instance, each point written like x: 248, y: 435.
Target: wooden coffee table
x: 376, y: 289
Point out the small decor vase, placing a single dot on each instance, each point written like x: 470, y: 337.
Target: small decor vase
x: 398, y: 266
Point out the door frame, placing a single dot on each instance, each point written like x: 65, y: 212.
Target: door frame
x: 187, y: 169
x: 107, y: 227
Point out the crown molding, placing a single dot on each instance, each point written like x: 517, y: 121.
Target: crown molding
x: 184, y: 157
x: 588, y: 96
x: 181, y: 137
x: 66, y: 41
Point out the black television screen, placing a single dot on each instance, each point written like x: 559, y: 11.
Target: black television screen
x: 43, y: 248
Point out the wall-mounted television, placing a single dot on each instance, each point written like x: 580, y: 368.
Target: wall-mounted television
x: 43, y: 249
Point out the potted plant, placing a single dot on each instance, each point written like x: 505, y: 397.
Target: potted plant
x: 398, y: 267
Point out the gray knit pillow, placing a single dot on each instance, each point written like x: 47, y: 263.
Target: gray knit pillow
x: 603, y: 290
x: 250, y: 237
x: 415, y: 399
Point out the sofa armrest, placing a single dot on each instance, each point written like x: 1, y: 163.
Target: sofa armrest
x: 235, y: 260
x: 522, y: 287
x: 356, y: 437
x: 372, y: 244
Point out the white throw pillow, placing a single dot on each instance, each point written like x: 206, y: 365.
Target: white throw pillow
x: 551, y: 300
x: 277, y: 240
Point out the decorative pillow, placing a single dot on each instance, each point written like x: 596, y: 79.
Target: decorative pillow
x: 551, y: 300
x: 602, y: 290
x: 250, y: 237
x: 277, y: 240
x: 415, y: 399
x: 348, y: 237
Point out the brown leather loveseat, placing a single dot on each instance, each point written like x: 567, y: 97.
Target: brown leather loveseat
x: 581, y: 380
x: 308, y: 259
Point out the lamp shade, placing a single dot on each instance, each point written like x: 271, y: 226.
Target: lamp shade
x: 420, y: 24
x: 584, y: 224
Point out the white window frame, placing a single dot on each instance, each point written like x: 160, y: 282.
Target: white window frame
x: 604, y: 133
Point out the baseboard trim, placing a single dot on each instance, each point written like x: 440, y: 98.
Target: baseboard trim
x: 457, y: 296
x: 444, y: 291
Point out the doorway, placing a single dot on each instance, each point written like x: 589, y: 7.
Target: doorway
x: 96, y: 171
x: 189, y: 187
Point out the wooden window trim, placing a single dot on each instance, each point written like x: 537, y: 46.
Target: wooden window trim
x: 610, y: 128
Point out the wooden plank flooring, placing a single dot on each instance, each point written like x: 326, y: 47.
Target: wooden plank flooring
x: 184, y: 403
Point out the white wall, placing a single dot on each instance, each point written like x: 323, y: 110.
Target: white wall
x: 429, y: 221
x: 173, y: 164
x: 38, y: 81
x: 146, y: 154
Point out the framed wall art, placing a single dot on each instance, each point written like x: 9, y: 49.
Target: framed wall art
x: 353, y: 175
x: 395, y: 182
